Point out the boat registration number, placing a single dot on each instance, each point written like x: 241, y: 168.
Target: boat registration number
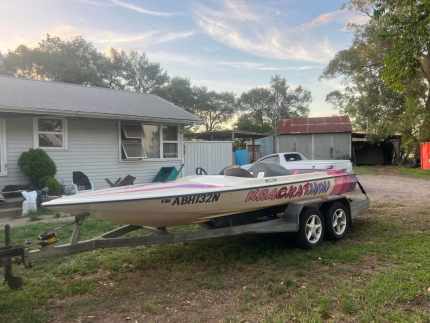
x: 193, y: 199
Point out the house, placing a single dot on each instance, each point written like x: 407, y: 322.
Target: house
x: 102, y: 132
x: 316, y: 138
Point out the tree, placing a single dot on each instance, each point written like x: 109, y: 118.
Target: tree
x: 144, y: 76
x: 180, y: 92
x: 286, y: 102
x: 76, y: 61
x: 265, y: 107
x: 2, y: 67
x: 246, y: 122
x: 213, y: 108
x: 405, y: 26
x: 255, y: 102
x: 387, y: 88
x: 372, y: 105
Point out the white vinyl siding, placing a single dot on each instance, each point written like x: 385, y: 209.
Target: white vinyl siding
x: 92, y: 148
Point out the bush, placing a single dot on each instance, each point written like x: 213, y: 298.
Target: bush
x: 37, y: 166
x: 54, y: 186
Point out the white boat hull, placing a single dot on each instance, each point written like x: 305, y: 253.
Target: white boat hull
x: 199, y: 198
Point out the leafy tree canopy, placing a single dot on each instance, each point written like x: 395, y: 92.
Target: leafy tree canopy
x: 384, y: 71
x: 265, y: 107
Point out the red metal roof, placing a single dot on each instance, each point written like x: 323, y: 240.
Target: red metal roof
x: 315, y: 125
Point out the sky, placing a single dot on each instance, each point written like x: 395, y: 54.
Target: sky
x: 226, y: 45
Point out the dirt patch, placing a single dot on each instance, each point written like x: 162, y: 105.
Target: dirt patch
x: 398, y: 189
x: 403, y: 199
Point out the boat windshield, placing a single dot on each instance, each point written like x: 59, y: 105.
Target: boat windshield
x: 269, y: 169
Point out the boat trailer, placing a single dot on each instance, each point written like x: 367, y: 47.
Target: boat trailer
x: 288, y: 221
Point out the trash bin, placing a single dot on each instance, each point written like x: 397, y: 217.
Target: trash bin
x: 425, y: 155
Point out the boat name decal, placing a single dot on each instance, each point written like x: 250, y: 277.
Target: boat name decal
x: 288, y: 191
x: 193, y: 199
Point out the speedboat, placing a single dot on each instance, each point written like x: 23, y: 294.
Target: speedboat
x: 198, y: 199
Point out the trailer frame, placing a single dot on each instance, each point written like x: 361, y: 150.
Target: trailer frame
x: 288, y: 221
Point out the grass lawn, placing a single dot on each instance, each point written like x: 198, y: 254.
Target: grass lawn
x: 379, y: 273
x: 392, y: 170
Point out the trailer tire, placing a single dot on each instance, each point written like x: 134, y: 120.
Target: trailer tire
x: 311, y: 228
x: 338, y: 221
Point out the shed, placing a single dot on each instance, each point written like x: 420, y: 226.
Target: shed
x: 316, y: 138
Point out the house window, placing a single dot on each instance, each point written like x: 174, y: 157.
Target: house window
x: 3, y: 159
x: 148, y: 141
x: 131, y: 141
x: 50, y: 133
x: 170, y: 141
x: 151, y: 141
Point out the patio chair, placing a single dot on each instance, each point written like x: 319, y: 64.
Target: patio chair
x: 128, y: 180
x: 82, y: 182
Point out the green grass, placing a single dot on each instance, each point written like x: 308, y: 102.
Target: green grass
x: 379, y: 273
x: 392, y: 170
x: 415, y: 172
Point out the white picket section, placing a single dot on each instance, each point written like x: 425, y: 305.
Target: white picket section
x: 213, y: 156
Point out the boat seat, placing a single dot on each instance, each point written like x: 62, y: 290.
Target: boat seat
x: 269, y: 169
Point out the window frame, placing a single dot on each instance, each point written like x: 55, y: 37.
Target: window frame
x: 162, y: 142
x: 3, y: 148
x: 36, y: 133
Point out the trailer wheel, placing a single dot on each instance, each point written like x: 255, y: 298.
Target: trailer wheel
x: 338, y: 221
x: 311, y: 231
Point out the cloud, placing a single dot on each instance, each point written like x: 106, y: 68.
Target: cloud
x: 140, y: 9
x: 96, y: 3
x: 171, y: 36
x: 265, y: 67
x: 125, y: 40
x: 343, y: 16
x: 198, y: 61
x: 230, y: 25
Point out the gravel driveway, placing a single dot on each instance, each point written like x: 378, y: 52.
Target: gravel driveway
x: 392, y: 188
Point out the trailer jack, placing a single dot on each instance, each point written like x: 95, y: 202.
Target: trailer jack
x: 8, y: 254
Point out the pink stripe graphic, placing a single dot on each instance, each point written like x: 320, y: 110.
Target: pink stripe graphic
x: 157, y: 188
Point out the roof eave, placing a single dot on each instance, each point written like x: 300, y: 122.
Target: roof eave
x: 95, y: 115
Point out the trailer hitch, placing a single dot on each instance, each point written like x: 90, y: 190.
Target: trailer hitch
x: 7, y: 254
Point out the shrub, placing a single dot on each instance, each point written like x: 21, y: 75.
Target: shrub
x: 54, y: 186
x: 37, y: 166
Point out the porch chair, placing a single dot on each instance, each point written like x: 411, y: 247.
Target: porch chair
x: 128, y: 180
x: 81, y: 182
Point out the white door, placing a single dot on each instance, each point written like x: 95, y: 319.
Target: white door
x: 3, y: 159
